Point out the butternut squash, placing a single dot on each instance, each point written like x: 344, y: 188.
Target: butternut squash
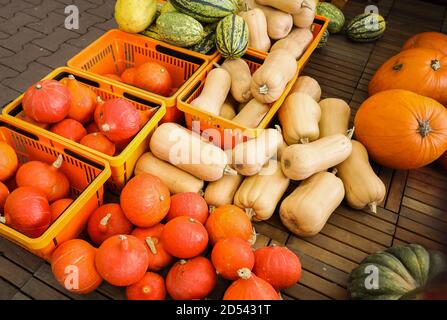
x: 240, y: 76
x: 289, y: 6
x: 308, y: 85
x: 279, y: 23
x: 228, y: 110
x: 249, y: 157
x: 307, y: 209
x: 189, y: 152
x: 257, y: 27
x: 270, y: 80
x: 306, y: 15
x: 260, y: 194
x: 221, y: 192
x: 295, y: 43
x: 215, y: 91
x: 300, y: 161
x: 252, y: 114
x: 176, y: 180
x: 335, y: 115
x: 299, y: 118
x: 363, y: 187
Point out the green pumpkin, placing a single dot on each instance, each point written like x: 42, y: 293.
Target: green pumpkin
x: 337, y: 18
x: 400, y: 270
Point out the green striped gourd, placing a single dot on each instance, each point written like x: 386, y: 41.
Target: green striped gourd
x: 179, y: 29
x: 232, y: 37
x: 208, y: 43
x: 152, y: 32
x: 366, y: 27
x: 207, y: 11
x: 324, y: 39
x: 337, y: 18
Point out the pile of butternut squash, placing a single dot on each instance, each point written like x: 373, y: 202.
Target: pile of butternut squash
x: 313, y: 145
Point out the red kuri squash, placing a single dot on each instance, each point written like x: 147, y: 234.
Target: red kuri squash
x: 151, y: 287
x: 191, y: 280
x: 58, y: 207
x: 8, y: 161
x: 153, y: 77
x: 99, y: 142
x: 429, y: 40
x: 4, y: 193
x: 70, y: 129
x: 128, y: 76
x: 401, y: 129
x: 47, y: 101
x: 83, y: 100
x: 250, y: 287
x: 73, y: 266
x: 188, y: 204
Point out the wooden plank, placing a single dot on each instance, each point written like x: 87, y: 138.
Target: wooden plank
x: 383, y: 220
x: 20, y: 256
x: 301, y: 292
x: 424, y: 219
x: 20, y: 296
x: 410, y: 237
x: 112, y: 292
x: 261, y: 241
x: 13, y: 273
x: 434, y: 181
x: 7, y: 290
x: 396, y: 191
x: 325, y: 287
x: 426, y: 198
x: 271, y: 232
x: 321, y: 254
x: 427, y: 187
x: 422, y: 230
x: 36, y: 289
x: 424, y: 208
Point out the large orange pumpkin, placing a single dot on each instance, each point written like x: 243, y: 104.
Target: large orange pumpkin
x: 401, y: 129
x: 250, y: 287
x: 8, y: 161
x: 82, y: 102
x: 4, y: 193
x: 58, y: 207
x: 145, y: 200
x: 429, y: 40
x: 420, y: 70
x: 73, y: 266
x: 70, y: 129
x: 151, y: 287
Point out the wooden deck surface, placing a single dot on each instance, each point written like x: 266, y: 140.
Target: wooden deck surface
x: 415, y: 209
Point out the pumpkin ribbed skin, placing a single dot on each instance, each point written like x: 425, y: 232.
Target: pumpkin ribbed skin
x: 232, y: 37
x: 422, y: 71
x: 151, y: 287
x: 250, y: 287
x: 429, y: 40
x: 402, y: 130
x: 400, y: 270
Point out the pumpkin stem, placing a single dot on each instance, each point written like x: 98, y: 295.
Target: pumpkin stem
x: 3, y: 220
x: 71, y: 77
x: 350, y: 133
x: 250, y: 212
x: 104, y: 222
x: 99, y: 99
x: 124, y: 242
x: 183, y: 262
x: 38, y: 86
x: 58, y: 163
x: 253, y: 237
x: 146, y: 289
x: 216, y: 65
x: 436, y: 64
x: 373, y: 207
x: 278, y: 127
x: 304, y: 140
x: 264, y: 89
x: 192, y: 220
x: 244, y: 273
x: 151, y: 244
x: 105, y: 127
x: 229, y: 171
x: 424, y: 128
x: 201, y: 193
x: 334, y: 171
x: 398, y: 67
x: 211, y: 209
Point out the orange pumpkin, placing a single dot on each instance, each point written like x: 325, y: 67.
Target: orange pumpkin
x: 401, y: 129
x: 80, y: 255
x: 250, y: 287
x: 22, y: 116
x: 44, y: 177
x: 145, y: 200
x: 420, y: 70
x: 4, y: 193
x: 229, y: 221
x: 188, y: 204
x: 112, y: 77
x: 151, y: 287
x: 122, y: 260
x: 154, y: 78
x: 99, y: 142
x: 128, y: 76
x: 92, y: 128
x: 58, y: 207
x: 70, y: 129
x: 8, y: 161
x: 82, y: 102
x: 429, y: 40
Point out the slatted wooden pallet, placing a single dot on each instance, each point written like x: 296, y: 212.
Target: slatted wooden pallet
x: 414, y: 211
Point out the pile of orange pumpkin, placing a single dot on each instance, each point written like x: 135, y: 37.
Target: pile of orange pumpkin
x: 134, y: 247
x: 72, y: 110
x: 39, y: 193
x: 404, y: 122
x: 150, y: 76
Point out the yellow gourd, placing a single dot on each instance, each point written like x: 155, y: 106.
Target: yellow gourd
x: 257, y: 27
x: 252, y: 114
x: 270, y: 80
x: 307, y: 209
x: 308, y: 85
x: 295, y: 43
x: 240, y: 82
x: 363, y: 187
x: 299, y: 118
x: 335, y: 115
x: 260, y: 194
x: 176, y: 180
x: 300, y: 161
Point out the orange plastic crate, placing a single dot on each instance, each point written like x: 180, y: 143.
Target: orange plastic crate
x: 116, y: 51
x: 227, y: 128
x: 122, y: 165
x: 87, y: 175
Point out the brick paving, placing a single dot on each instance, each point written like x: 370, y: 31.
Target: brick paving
x: 33, y: 38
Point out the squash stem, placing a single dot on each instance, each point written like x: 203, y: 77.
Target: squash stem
x: 229, y: 171
x: 350, y: 133
x: 58, y: 163
x: 250, y: 212
x: 253, y: 237
x: 211, y: 209
x: 151, y: 244
x: 216, y: 65
x: 244, y: 273
x: 146, y: 289
x: 373, y: 207
x: 3, y: 220
x: 424, y: 128
x: 264, y: 89
x: 334, y: 171
x: 71, y: 77
x: 436, y: 64
x: 105, y: 221
x: 201, y: 193
x: 304, y: 140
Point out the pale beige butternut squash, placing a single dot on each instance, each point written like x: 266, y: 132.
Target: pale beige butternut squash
x: 289, y: 6
x: 240, y: 74
x: 279, y: 23
x: 295, y: 43
x: 260, y: 194
x: 306, y: 15
x: 308, y: 85
x: 299, y: 118
x: 189, y: 152
x: 215, y: 91
x: 249, y: 157
x: 270, y: 80
x: 221, y: 192
x: 363, y: 187
x: 228, y: 110
x: 300, y: 161
x: 177, y: 181
x: 257, y: 27
x: 307, y: 209
x: 335, y: 115
x: 252, y: 114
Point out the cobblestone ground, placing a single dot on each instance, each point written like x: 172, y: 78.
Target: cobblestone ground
x: 34, y: 40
